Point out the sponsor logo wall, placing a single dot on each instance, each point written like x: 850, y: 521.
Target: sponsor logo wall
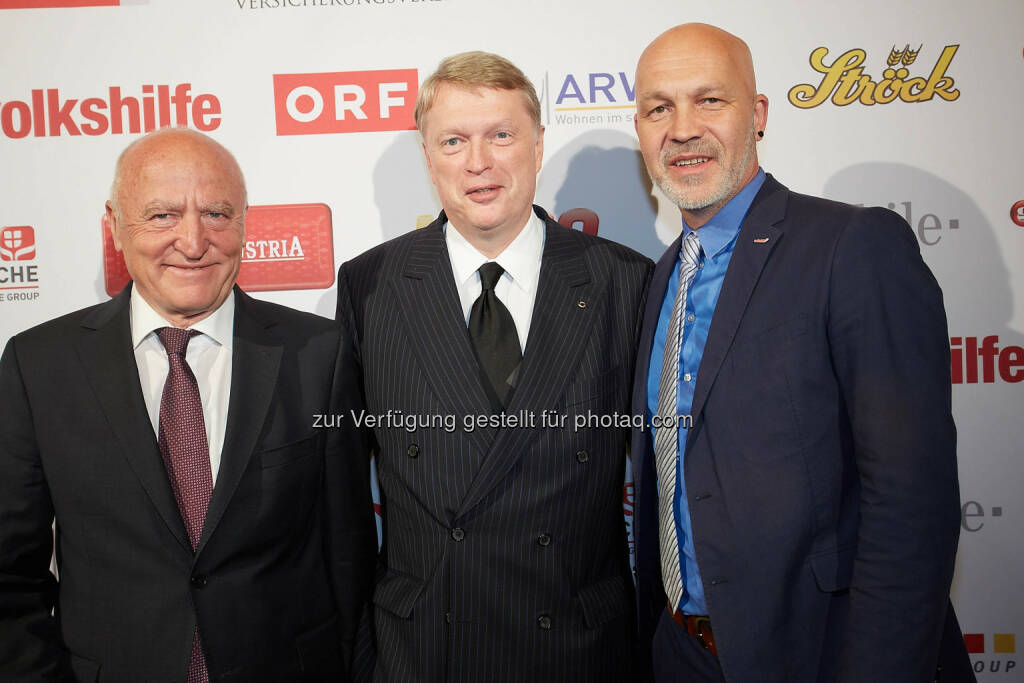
x: 919, y: 112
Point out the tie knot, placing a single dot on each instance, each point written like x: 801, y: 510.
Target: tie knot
x: 489, y: 274
x: 691, y: 249
x: 174, y: 339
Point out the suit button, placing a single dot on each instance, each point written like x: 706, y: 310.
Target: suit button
x: 544, y: 622
x: 544, y: 539
x: 413, y: 450
x: 198, y: 581
x: 447, y: 617
x: 458, y: 533
x: 582, y: 456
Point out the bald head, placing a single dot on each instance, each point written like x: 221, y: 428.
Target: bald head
x: 699, y: 42
x: 699, y: 117
x: 177, y: 215
x: 158, y: 145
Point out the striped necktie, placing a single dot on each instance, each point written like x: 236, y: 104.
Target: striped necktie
x: 666, y: 437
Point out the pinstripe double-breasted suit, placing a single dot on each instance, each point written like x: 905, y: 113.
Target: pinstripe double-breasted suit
x: 504, y: 553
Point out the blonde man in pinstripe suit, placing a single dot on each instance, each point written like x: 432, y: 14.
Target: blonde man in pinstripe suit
x: 504, y: 552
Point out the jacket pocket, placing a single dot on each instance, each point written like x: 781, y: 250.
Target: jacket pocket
x: 397, y: 593
x: 319, y: 649
x: 592, y: 387
x: 85, y: 670
x: 832, y: 570
x: 603, y: 601
x: 281, y: 455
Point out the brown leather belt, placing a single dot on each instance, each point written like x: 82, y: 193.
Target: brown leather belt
x: 699, y: 627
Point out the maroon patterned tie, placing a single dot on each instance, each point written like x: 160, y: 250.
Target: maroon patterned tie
x: 186, y: 455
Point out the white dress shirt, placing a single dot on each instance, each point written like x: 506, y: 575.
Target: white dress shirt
x: 209, y: 356
x: 517, y: 287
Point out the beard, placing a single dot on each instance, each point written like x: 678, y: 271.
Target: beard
x: 686, y: 192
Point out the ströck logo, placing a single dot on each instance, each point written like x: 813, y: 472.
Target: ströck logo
x: 17, y: 243
x: 845, y: 81
x: 345, y: 101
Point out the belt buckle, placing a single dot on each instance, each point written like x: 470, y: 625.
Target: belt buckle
x: 698, y: 626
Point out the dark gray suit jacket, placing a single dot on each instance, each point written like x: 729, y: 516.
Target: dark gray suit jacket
x: 505, y: 555
x: 287, y: 548
x: 821, y: 465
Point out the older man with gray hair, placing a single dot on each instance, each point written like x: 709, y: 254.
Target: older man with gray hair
x: 204, y: 529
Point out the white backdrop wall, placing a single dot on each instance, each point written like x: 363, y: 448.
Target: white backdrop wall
x: 945, y: 153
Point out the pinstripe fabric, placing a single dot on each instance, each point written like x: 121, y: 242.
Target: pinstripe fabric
x: 504, y: 555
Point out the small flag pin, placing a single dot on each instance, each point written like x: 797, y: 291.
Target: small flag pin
x: 760, y: 240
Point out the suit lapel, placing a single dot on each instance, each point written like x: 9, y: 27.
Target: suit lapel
x: 255, y: 361
x: 426, y: 293
x: 559, y: 329
x: 745, y: 266
x: 106, y: 353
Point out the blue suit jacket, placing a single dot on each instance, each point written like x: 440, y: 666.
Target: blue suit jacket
x: 821, y: 465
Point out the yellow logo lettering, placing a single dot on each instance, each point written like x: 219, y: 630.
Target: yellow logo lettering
x: 844, y: 81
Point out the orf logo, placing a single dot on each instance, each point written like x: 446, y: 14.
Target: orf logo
x: 345, y: 101
x: 17, y: 243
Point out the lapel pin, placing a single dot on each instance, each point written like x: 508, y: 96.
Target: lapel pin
x: 760, y: 240
x: 581, y: 303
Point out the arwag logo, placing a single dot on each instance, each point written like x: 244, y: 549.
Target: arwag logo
x: 587, y: 98
x: 844, y: 81
x: 345, y: 101
x: 17, y: 243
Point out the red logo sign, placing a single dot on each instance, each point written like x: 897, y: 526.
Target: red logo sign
x: 1002, y: 643
x: 288, y: 246
x: 48, y: 113
x: 345, y: 101
x: 1017, y: 213
x: 966, y: 354
x: 41, y: 4
x: 17, y: 243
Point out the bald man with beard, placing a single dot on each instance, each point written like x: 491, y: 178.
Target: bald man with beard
x: 205, y: 530
x: 801, y: 524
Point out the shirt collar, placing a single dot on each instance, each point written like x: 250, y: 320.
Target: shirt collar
x: 721, y: 230
x: 520, y: 259
x: 219, y: 325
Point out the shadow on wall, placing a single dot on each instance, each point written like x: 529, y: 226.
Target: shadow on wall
x: 401, y: 186
x: 603, y: 171
x: 403, y: 194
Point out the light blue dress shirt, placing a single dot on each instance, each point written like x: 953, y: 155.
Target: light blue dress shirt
x: 717, y: 239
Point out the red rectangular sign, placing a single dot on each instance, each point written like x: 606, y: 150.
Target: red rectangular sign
x: 46, y: 4
x: 345, y: 101
x: 287, y: 246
